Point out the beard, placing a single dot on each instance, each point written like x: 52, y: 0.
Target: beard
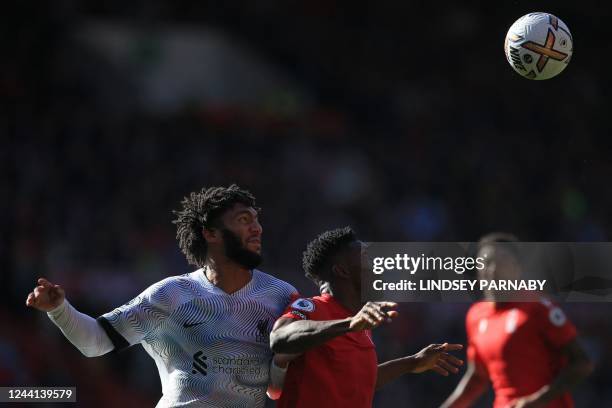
x: 235, y: 251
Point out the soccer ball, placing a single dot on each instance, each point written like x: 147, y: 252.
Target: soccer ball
x: 538, y: 46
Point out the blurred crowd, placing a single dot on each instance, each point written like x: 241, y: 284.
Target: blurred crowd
x: 418, y: 130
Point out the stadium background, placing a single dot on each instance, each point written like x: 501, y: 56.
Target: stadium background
x: 402, y: 119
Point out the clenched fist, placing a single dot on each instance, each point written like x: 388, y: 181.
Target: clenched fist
x: 46, y: 296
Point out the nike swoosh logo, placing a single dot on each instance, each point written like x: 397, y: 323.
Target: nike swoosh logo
x: 188, y: 325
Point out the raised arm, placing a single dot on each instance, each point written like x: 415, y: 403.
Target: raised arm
x: 81, y: 330
x: 293, y: 336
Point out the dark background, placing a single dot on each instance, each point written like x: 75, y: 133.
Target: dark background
x: 402, y: 119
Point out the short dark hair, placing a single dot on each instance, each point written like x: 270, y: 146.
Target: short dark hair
x: 320, y: 251
x: 201, y: 210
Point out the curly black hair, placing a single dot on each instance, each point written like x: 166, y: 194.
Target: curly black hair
x: 321, y: 250
x: 202, y: 210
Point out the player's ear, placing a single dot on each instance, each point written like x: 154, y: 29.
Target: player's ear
x: 340, y: 271
x: 211, y: 235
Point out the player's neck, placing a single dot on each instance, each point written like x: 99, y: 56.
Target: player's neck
x: 226, y: 274
x: 489, y: 296
x: 346, y: 296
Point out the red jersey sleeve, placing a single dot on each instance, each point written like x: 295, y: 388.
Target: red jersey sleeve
x: 301, y: 308
x: 554, y: 324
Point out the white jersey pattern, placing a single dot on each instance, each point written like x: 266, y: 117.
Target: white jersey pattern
x: 211, y: 348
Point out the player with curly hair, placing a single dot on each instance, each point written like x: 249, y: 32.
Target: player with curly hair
x: 328, y: 340
x: 208, y: 330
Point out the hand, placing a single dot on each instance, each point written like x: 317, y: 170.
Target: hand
x: 372, y: 314
x: 435, y: 357
x: 46, y: 296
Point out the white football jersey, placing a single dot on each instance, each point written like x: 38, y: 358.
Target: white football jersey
x: 211, y: 348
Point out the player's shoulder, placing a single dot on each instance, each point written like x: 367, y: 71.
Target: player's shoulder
x: 547, y: 308
x: 476, y: 313
x: 478, y: 310
x: 543, y: 304
x: 173, y: 290
x: 273, y: 284
x: 269, y: 279
x: 173, y: 282
x: 310, y: 304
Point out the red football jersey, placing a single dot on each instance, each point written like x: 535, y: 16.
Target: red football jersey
x: 519, y: 344
x: 339, y: 373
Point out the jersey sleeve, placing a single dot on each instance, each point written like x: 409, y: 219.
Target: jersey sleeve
x: 130, y: 323
x: 301, y: 309
x: 554, y: 324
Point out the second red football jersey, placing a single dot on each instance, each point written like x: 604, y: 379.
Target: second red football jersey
x: 340, y: 373
x: 519, y: 344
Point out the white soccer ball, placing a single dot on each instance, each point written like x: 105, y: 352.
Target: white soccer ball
x: 539, y: 46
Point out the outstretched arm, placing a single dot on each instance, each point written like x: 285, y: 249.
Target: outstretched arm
x: 433, y: 357
x: 81, y: 330
x: 474, y: 383
x: 291, y: 336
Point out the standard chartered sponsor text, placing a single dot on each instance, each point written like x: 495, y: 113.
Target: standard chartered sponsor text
x: 237, y: 366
